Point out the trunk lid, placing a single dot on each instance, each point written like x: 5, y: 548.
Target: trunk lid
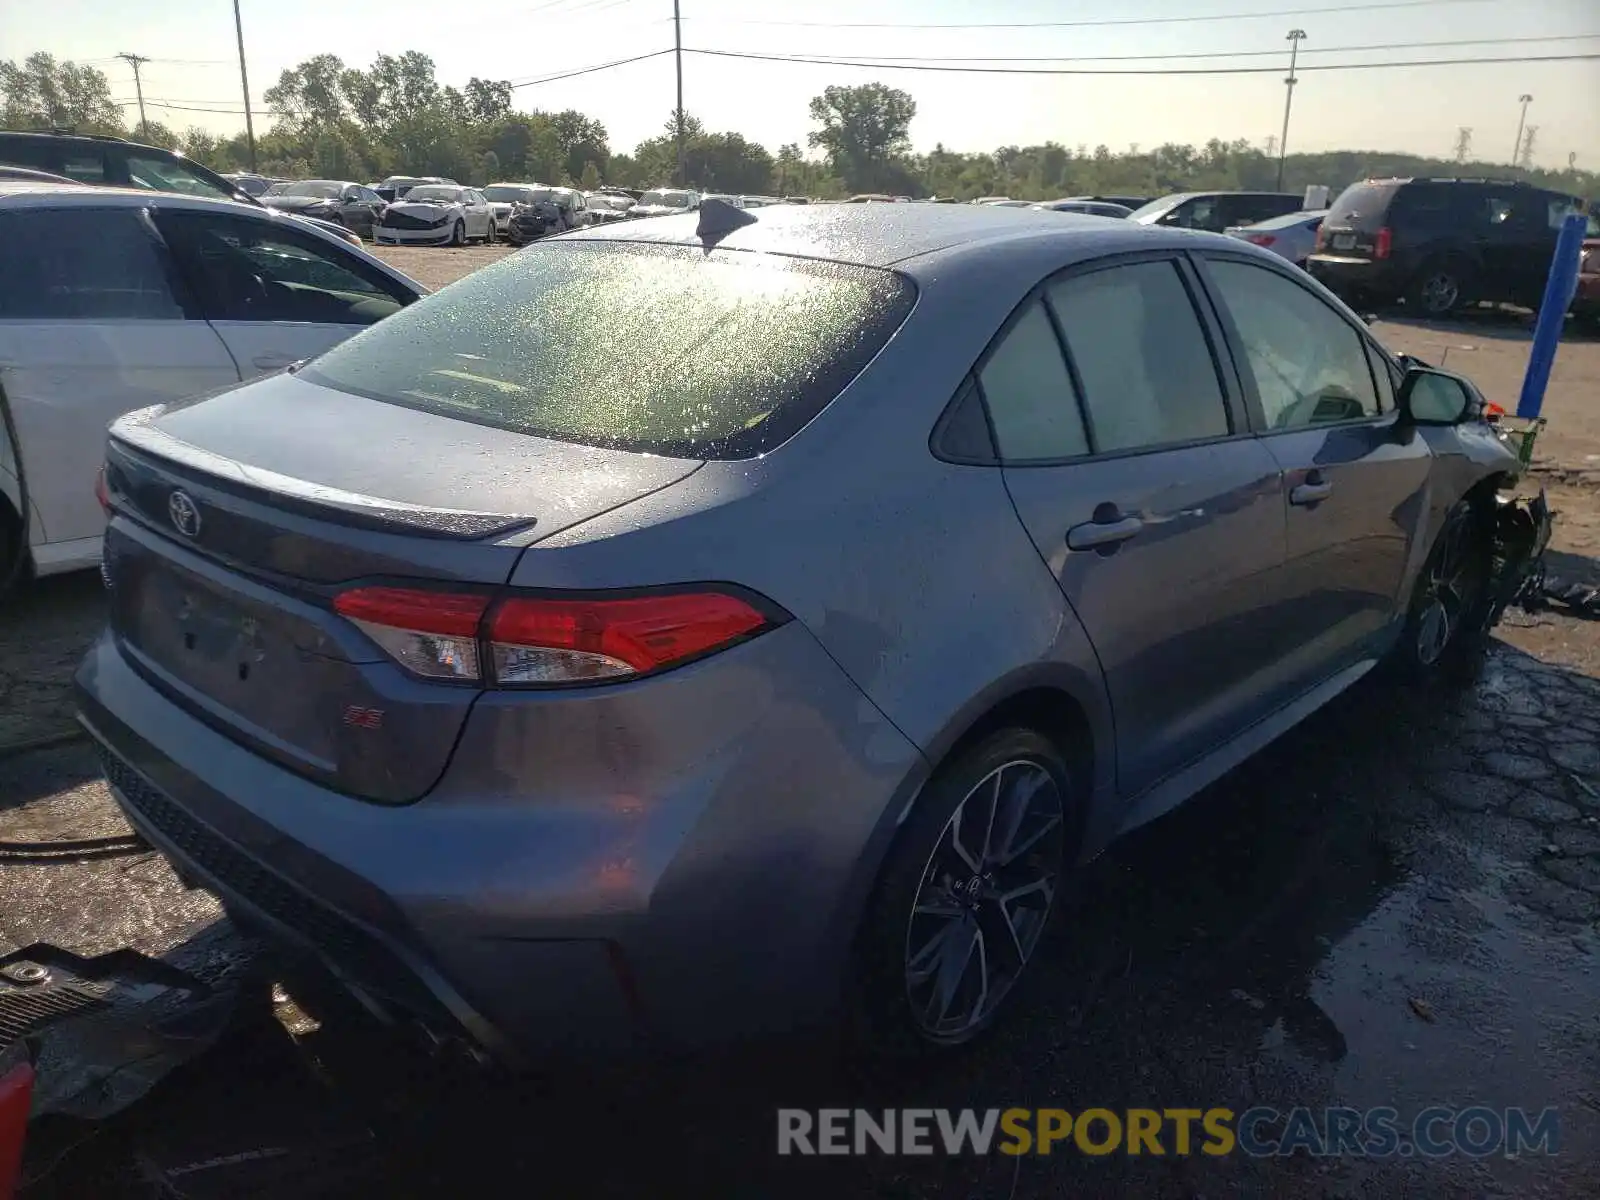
x: 239, y: 518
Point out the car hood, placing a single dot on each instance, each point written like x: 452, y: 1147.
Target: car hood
x: 657, y: 210
x: 500, y: 207
x: 296, y: 203
x: 426, y: 209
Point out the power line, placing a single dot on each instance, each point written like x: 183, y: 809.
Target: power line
x: 1247, y: 16
x: 605, y: 66
x: 986, y: 58
x: 905, y: 66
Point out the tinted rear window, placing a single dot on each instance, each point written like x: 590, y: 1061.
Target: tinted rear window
x: 652, y: 349
x: 1362, y: 205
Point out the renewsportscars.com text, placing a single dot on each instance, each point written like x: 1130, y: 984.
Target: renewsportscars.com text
x: 1478, y: 1131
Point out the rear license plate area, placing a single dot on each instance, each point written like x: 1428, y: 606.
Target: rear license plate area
x: 1344, y: 241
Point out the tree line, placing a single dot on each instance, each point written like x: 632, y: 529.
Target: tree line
x: 331, y: 120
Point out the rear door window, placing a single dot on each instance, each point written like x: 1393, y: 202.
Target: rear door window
x: 1141, y: 355
x: 254, y: 269
x: 85, y: 264
x: 646, y: 348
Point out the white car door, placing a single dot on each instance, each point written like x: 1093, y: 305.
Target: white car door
x: 479, y: 215
x: 276, y: 294
x: 93, y: 324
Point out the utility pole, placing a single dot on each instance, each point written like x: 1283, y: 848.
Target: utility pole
x: 1295, y: 35
x: 244, y: 82
x: 1463, y: 143
x: 1516, y: 150
x: 138, y: 60
x: 1527, y: 147
x: 677, y: 55
x: 1272, y: 145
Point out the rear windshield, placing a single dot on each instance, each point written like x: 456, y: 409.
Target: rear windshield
x: 668, y: 199
x: 654, y: 349
x: 1362, y: 205
x: 514, y: 195
x: 1157, y: 208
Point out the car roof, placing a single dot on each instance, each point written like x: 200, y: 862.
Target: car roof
x: 16, y: 193
x: 881, y: 235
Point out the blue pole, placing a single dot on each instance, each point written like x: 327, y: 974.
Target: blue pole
x: 1559, y: 289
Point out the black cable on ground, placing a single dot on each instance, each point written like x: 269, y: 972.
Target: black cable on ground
x: 74, y: 845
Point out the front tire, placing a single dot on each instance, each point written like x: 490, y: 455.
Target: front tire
x: 1447, y: 624
x: 458, y: 234
x: 489, y: 233
x: 964, y: 896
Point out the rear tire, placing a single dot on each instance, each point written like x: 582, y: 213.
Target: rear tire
x: 959, y: 909
x: 1439, y: 288
x: 1447, y: 624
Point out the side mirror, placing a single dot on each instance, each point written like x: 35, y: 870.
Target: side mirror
x: 1430, y: 397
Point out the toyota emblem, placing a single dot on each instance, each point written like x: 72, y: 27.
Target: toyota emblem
x: 185, y: 513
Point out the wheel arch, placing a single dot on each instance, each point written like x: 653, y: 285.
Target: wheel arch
x: 1069, y: 710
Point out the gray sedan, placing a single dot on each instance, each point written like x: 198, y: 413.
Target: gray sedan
x: 772, y: 628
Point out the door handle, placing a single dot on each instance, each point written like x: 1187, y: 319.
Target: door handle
x: 1310, y: 493
x: 273, y: 362
x: 1092, y: 535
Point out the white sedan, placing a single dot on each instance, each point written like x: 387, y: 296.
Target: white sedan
x: 436, y: 214
x: 118, y: 299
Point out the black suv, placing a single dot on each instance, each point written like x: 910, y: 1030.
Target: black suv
x: 1439, y: 244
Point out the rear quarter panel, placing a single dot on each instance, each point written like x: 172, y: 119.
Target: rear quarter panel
x: 914, y: 574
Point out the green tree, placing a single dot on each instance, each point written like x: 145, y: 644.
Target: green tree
x: 488, y: 99
x: 581, y: 139
x: 42, y: 93
x: 590, y: 178
x: 865, y: 129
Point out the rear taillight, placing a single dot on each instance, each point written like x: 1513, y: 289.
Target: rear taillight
x: 1321, y: 243
x: 1383, y: 243
x: 102, y: 493
x: 1262, y: 239
x: 540, y: 640
x: 430, y: 633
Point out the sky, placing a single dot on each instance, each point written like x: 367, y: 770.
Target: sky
x: 1415, y: 109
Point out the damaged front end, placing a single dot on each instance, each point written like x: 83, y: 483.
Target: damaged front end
x: 1521, y: 534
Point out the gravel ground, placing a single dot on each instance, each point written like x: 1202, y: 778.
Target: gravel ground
x: 1262, y: 945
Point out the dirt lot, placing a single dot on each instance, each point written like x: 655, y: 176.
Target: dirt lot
x: 1398, y: 903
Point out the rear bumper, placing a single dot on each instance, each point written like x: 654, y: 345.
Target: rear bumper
x: 681, y: 860
x: 1347, y: 276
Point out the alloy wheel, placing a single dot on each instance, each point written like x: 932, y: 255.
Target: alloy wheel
x: 983, y: 900
x: 1449, y: 590
x: 1440, y: 292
